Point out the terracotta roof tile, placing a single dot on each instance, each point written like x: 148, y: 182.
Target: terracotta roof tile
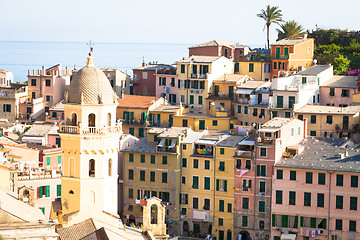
x: 135, y: 101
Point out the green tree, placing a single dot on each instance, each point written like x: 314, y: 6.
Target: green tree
x: 270, y: 15
x: 290, y: 29
x: 341, y: 64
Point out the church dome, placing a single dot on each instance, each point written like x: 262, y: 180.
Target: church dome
x: 90, y: 86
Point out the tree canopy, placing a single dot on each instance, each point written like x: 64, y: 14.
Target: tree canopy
x: 290, y: 29
x: 270, y: 15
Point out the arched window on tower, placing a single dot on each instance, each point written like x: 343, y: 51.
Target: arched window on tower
x: 154, y: 214
x: 91, y: 120
x: 74, y: 119
x: 109, y: 119
x: 92, y: 168
x: 110, y: 167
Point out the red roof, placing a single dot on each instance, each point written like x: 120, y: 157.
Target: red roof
x: 136, y: 101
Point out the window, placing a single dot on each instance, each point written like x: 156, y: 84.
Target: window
x: 279, y: 102
x: 301, y: 117
x: 48, y: 82
x: 339, y: 180
x: 191, y: 99
x: 58, y: 190
x: 152, y: 160
x: 279, y: 174
x: 320, y: 200
x: 184, y: 122
x: 222, y: 151
x: 182, y: 68
x: 214, y: 122
x: 152, y: 176
x: 246, y: 109
x: 251, y: 67
x: 172, y: 83
x: 292, y: 198
x: 248, y: 164
x: 206, y: 204
x: 200, y: 100
x: 131, y: 174
x: 329, y: 119
x: 221, y: 223
x: 183, y: 211
x: 309, y: 178
x: 164, y: 160
x: 131, y: 157
x: 353, y: 203
x: 261, y: 170
x: 195, y: 182
x: 255, y: 112
x: 244, y: 221
x: 262, y: 187
x: 7, y: 107
x: 245, y: 203
x: 195, y: 203
x: 221, y: 185
x: 354, y: 181
x: 352, y: 226
x: 307, y: 199
x: 164, y: 177
x: 221, y: 205
x: 313, y: 119
x: 303, y: 80
x: 293, y: 175
x: 321, y: 178
x: 345, y: 93
x: 279, y: 195
x: 184, y: 162
x: 236, y: 67
x: 332, y: 92
x: 33, y: 82
x: 183, y: 179
x: 275, y: 65
x: 261, y: 206
x: 222, y: 166
x: 263, y: 152
x: 142, y: 175
x: 313, y: 133
x: 339, y: 202
x: 131, y: 193
x: 92, y: 168
x: 207, y: 165
x: 195, y: 163
x: 206, y: 183
x: 239, y: 109
x: 338, y: 224
x: 48, y: 161
x: 142, y: 158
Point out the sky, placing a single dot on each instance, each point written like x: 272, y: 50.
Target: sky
x: 163, y: 21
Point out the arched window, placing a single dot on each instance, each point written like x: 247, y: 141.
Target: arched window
x: 91, y: 120
x: 92, y: 168
x: 110, y: 167
x: 154, y: 214
x: 74, y: 119
x: 72, y: 167
x: 109, y: 119
x: 71, y: 192
x: 228, y: 235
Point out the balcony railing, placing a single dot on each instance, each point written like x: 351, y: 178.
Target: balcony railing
x: 90, y: 130
x: 160, y: 124
x: 243, y: 100
x: 133, y: 121
x: 198, y: 76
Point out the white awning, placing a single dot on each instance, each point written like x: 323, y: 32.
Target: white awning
x: 173, y: 143
x: 268, y: 129
x: 244, y: 91
x: 205, y: 142
x: 288, y: 236
x: 161, y: 143
x: 247, y: 142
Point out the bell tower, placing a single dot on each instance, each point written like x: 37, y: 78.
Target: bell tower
x: 90, y: 142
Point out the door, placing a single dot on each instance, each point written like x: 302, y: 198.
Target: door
x: 221, y: 235
x: 28, y: 112
x: 216, y: 90
x: 345, y: 122
x: 279, y: 102
x: 201, y: 124
x: 291, y: 101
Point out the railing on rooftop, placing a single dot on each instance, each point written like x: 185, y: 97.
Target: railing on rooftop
x: 90, y: 130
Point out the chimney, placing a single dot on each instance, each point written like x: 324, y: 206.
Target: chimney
x: 143, y: 63
x: 43, y: 70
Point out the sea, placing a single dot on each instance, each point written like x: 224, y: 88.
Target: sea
x: 20, y: 56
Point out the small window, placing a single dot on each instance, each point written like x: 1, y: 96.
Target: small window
x: 184, y: 122
x: 293, y: 175
x: 338, y: 224
x: 152, y: 160
x: 320, y: 200
x: 245, y: 203
x: 278, y: 195
x: 142, y: 158
x: 48, y: 82
x: 307, y: 199
x: 313, y: 133
x: 183, y: 180
x: 292, y: 198
x: 263, y: 152
x: 222, y: 151
x: 332, y: 92
x: 279, y: 174
x: 329, y: 119
x: 222, y: 166
x: 352, y: 226
x: 196, y: 163
x: 261, y: 206
x: 33, y: 82
x: 313, y: 119
x: 214, y: 123
x: 309, y: 178
x: 152, y: 176
x: 321, y: 178
x: 301, y: 117
x: 339, y: 180
x: 131, y: 174
x: 164, y: 160
x: 339, y: 202
x: 354, y: 181
x: 164, y: 177
x: 251, y: 67
x: 184, y: 162
x: 142, y: 175
x: 353, y: 203
x: 345, y: 93
x: 207, y: 165
x: 182, y: 68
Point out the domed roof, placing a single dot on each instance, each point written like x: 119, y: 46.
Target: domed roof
x: 90, y: 85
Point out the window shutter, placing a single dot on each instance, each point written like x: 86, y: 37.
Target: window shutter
x: 249, y: 183
x: 48, y: 162
x: 273, y: 220
x: 47, y: 190
x: 217, y: 184
x: 58, y: 190
x: 285, y: 219
x: 324, y: 223
x: 41, y: 192
x: 313, y: 222
x: 296, y: 223
x: 301, y: 221
x: 38, y: 192
x: 225, y: 185
x: 258, y: 170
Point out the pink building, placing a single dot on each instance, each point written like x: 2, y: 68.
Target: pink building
x: 145, y: 81
x: 167, y: 85
x: 316, y: 191
x: 56, y: 114
x: 6, y: 78
x: 253, y: 178
x: 338, y: 91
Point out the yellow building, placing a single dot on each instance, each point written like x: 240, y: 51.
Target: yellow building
x: 195, y: 77
x: 5, y: 177
x: 329, y: 121
x: 90, y: 141
x: 152, y: 168
x: 259, y: 70
x: 162, y: 115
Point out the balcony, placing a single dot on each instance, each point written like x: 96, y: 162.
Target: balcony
x: 137, y: 122
x: 199, y: 75
x: 243, y: 100
x: 90, y: 130
x: 160, y: 124
x: 221, y: 96
x: 203, y: 150
x: 166, y: 71
x: 163, y: 147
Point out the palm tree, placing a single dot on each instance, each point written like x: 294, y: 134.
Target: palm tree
x: 270, y: 15
x: 290, y: 29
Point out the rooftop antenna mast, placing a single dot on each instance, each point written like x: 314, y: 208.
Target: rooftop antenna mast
x: 90, y: 44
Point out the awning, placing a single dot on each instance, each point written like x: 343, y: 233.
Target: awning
x: 244, y: 91
x: 173, y: 143
x: 205, y: 142
x: 161, y: 143
x: 247, y: 142
x: 268, y: 129
x: 288, y: 236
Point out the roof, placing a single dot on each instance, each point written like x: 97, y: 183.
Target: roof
x: 251, y: 84
x: 19, y: 209
x: 142, y: 146
x: 192, y: 136
x: 99, y: 234
x: 276, y: 122
x: 215, y: 43
x: 199, y: 59
x: 230, y: 141
x: 218, y: 107
x: 341, y: 82
x: 136, y: 101
x: 314, y: 70
x: 90, y: 86
x: 58, y: 107
x: 230, y: 78
x: 77, y: 231
x: 290, y: 41
x: 215, y: 134
x: 166, y: 108
x: 153, y: 67
x: 41, y: 130
x: 323, y: 154
x: 318, y: 109
x: 56, y: 205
